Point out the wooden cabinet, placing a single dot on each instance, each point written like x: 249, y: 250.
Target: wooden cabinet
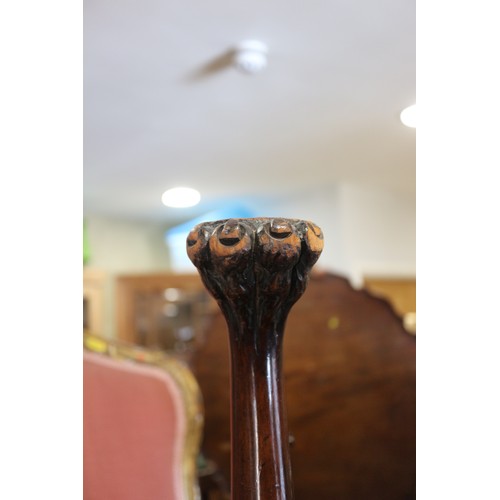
x: 162, y: 310
x: 93, y: 300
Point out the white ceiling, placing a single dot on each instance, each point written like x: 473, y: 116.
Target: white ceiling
x: 326, y: 109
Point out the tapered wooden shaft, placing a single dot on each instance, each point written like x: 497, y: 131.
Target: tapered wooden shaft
x: 256, y: 269
x: 259, y: 436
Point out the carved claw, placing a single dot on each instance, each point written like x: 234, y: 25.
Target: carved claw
x: 280, y: 228
x: 243, y: 259
x: 279, y: 242
x: 314, y: 238
x: 278, y: 245
x: 196, y: 244
x: 230, y: 241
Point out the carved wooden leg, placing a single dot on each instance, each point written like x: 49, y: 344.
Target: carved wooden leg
x: 256, y: 269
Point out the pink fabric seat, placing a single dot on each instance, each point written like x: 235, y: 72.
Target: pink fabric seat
x: 134, y: 429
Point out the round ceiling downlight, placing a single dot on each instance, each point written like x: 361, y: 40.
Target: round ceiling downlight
x: 181, y: 197
x: 409, y: 116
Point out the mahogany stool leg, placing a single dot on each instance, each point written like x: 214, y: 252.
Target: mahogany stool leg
x: 256, y: 269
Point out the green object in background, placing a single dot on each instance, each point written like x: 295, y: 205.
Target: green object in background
x: 86, y: 247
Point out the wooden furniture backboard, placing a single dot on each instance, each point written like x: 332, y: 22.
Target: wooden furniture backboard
x: 349, y: 378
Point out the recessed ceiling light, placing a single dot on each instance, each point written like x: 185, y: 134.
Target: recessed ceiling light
x: 181, y: 197
x: 409, y: 116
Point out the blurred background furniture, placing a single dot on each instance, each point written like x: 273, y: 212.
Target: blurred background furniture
x: 349, y: 378
x: 93, y: 299
x: 142, y: 424
x: 163, y: 311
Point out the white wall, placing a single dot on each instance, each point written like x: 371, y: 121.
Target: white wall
x: 367, y: 230
x: 120, y: 246
x: 378, y: 228
x: 323, y: 207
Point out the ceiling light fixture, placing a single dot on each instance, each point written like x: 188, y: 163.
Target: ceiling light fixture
x: 250, y: 56
x: 181, y: 197
x: 409, y: 116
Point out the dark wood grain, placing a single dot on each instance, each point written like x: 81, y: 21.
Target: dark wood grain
x: 256, y: 269
x: 349, y: 379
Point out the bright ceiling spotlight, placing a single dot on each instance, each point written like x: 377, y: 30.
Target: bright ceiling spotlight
x: 181, y: 197
x: 409, y: 116
x: 250, y: 56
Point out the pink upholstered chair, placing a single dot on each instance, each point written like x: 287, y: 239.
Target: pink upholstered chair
x: 142, y: 424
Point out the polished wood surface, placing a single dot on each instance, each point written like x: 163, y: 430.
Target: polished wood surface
x: 256, y: 269
x: 349, y: 380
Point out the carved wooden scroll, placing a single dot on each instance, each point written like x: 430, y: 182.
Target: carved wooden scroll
x: 256, y: 269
